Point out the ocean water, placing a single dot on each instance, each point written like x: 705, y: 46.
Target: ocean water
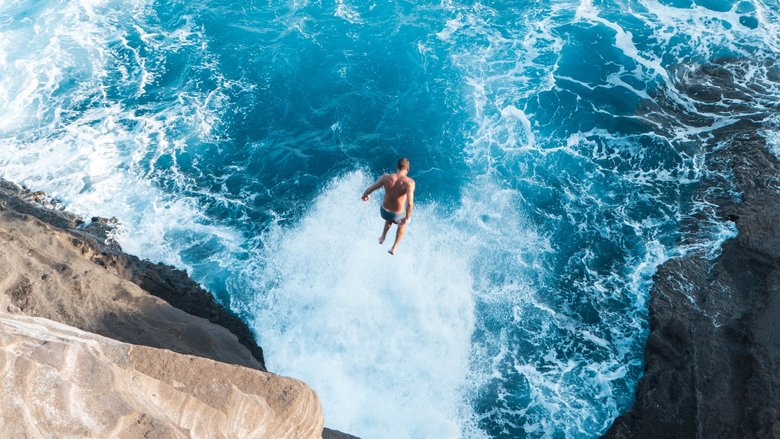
x: 557, y: 147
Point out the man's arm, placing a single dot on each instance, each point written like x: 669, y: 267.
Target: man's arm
x: 409, y: 203
x: 379, y: 183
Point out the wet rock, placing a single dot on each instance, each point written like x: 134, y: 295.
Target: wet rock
x: 327, y: 433
x: 712, y: 359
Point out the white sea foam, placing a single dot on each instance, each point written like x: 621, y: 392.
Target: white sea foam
x: 91, y: 158
x: 383, y: 339
x: 773, y: 142
x: 386, y: 338
x: 451, y: 27
x: 623, y: 40
x: 347, y: 12
x: 772, y: 135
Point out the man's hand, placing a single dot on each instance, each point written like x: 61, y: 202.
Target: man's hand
x: 367, y: 194
x: 404, y: 221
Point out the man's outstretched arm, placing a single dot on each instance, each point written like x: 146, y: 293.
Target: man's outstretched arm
x: 372, y: 188
x: 409, y: 203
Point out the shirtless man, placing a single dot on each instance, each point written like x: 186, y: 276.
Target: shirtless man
x: 398, y: 203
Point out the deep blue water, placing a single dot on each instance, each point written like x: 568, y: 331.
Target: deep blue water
x: 552, y: 143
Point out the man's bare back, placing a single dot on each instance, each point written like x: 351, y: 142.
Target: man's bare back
x: 396, y: 187
x: 398, y: 203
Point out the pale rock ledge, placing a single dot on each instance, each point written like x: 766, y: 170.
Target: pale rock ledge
x: 61, y: 382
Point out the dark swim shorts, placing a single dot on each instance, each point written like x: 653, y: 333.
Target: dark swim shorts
x: 393, y: 217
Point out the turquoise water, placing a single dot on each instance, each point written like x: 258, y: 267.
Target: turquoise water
x: 556, y: 147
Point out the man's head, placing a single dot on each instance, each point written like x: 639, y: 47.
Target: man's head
x: 403, y: 164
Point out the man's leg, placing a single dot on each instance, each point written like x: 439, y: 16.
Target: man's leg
x: 384, y: 232
x: 398, y: 235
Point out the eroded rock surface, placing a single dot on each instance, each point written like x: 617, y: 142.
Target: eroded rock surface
x: 47, y: 272
x: 80, y: 327
x: 58, y: 381
x: 69, y: 236
x: 712, y: 360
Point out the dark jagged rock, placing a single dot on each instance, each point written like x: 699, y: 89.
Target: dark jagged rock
x: 327, y: 433
x: 94, y: 241
x: 712, y: 359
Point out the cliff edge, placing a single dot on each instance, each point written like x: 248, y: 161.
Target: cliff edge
x: 713, y: 354
x: 59, y: 381
x: 98, y: 343
x: 52, y: 256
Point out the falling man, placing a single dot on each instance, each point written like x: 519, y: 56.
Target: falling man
x: 398, y: 203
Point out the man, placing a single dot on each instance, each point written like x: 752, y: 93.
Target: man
x: 398, y: 203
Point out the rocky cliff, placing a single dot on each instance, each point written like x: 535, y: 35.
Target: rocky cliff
x: 51, y: 258
x: 59, y: 381
x: 98, y: 343
x: 713, y: 354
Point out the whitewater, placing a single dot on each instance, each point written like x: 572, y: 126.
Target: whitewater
x: 557, y: 147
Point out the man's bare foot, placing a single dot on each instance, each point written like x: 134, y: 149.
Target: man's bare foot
x: 391, y: 252
x: 381, y: 239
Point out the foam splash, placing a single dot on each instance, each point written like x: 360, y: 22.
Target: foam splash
x: 347, y: 12
x: 99, y: 158
x: 383, y: 339
x: 772, y: 135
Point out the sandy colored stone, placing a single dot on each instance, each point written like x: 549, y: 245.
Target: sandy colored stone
x: 43, y: 274
x: 52, y: 238
x: 96, y: 343
x: 61, y: 382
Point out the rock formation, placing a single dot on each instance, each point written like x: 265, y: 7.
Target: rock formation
x: 713, y: 354
x: 59, y: 381
x: 98, y: 343
x: 58, y: 239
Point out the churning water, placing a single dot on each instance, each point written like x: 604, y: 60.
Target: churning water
x: 556, y: 146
